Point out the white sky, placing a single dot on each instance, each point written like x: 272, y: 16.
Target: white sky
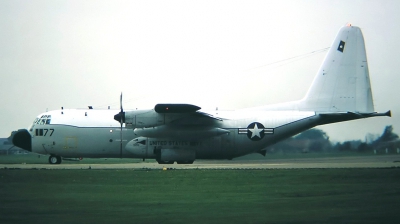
x: 208, y: 53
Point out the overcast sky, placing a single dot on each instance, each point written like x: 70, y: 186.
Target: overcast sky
x: 209, y: 53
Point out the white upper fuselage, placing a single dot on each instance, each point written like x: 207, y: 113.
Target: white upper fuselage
x: 84, y: 118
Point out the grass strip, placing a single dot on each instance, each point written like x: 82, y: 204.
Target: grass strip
x: 200, y: 196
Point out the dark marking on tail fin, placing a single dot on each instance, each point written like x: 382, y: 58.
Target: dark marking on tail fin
x: 341, y: 46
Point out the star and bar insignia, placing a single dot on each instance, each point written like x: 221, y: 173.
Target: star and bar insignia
x: 256, y: 131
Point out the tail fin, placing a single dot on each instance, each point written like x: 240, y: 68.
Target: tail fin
x: 342, y: 83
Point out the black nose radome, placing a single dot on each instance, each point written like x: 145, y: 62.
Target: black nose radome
x: 23, y: 139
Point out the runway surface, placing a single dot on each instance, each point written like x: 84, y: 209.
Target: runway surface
x: 379, y: 161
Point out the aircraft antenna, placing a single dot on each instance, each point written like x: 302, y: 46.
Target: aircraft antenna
x: 291, y: 59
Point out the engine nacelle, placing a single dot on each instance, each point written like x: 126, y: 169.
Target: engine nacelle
x: 156, y: 116
x: 143, y: 118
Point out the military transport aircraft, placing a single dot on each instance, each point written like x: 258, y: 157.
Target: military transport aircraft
x: 181, y: 133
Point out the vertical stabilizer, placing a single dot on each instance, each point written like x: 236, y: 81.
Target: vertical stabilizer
x: 342, y: 83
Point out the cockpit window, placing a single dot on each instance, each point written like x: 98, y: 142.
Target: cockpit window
x: 43, y: 120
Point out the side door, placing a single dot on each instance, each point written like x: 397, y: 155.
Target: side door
x: 228, y: 143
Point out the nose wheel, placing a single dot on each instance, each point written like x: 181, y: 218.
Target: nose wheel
x: 54, y: 159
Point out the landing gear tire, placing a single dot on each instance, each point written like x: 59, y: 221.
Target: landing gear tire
x: 165, y: 162
x: 185, y: 162
x: 55, y: 159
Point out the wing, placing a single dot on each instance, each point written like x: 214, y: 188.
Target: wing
x: 177, y: 121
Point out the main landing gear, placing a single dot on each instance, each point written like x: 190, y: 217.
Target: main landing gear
x: 178, y: 162
x: 55, y: 159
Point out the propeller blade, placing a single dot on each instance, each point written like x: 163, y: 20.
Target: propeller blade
x: 120, y: 147
x: 122, y: 117
x: 120, y: 103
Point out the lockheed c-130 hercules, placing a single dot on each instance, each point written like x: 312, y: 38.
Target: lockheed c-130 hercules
x: 182, y: 133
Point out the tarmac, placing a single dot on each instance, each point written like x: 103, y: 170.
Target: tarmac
x: 378, y: 161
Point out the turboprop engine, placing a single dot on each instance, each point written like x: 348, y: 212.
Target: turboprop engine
x: 161, y: 114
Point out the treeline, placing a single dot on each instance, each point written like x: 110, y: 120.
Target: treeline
x: 316, y: 140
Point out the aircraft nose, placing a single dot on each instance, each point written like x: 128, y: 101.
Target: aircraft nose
x: 23, y: 139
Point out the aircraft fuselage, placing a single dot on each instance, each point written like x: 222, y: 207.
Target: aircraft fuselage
x: 95, y: 134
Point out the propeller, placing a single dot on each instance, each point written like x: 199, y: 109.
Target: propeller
x: 120, y: 117
x: 120, y: 103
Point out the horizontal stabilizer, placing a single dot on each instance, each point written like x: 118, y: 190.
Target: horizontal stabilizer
x: 327, y: 118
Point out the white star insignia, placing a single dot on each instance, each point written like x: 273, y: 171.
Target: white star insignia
x: 255, y: 131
